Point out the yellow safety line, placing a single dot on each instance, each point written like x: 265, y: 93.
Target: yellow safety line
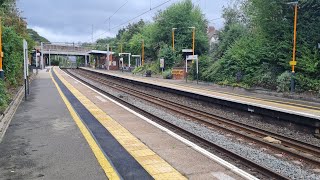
x: 150, y: 161
x: 104, y: 163
x: 257, y: 98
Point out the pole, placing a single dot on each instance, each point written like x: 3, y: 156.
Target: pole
x: 36, y: 60
x: 186, y: 70
x: 25, y: 67
x: 41, y: 59
x: 172, y: 39
x: 129, y: 62
x: 111, y: 56
x: 49, y: 58
x: 108, y: 58
x: 197, y: 71
x: 293, y: 63
x: 1, y: 53
x: 142, y: 52
x: 193, y: 39
x: 121, y: 47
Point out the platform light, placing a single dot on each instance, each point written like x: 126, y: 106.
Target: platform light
x: 173, y: 29
x: 1, y: 53
x: 193, y: 38
x: 293, y: 63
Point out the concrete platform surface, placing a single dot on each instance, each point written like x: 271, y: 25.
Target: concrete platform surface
x: 43, y: 141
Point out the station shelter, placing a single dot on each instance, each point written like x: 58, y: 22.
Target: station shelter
x: 100, y: 60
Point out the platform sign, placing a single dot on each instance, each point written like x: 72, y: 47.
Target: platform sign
x: 162, y: 63
x: 25, y: 67
x: 192, y: 57
x: 121, y: 61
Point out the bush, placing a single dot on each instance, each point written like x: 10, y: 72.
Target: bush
x: 154, y: 67
x: 170, y: 57
x: 13, y: 57
x: 305, y: 83
x: 55, y: 62
x: 283, y: 82
x: 167, y: 74
x: 4, y: 98
x: 204, y: 62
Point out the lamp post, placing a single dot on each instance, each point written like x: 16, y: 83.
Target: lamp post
x: 193, y: 38
x: 1, y: 53
x: 173, y: 29
x: 142, y: 53
x: 293, y: 63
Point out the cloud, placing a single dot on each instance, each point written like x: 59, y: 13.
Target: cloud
x: 62, y: 37
x: 72, y: 20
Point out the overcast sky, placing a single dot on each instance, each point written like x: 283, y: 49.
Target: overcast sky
x: 72, y: 20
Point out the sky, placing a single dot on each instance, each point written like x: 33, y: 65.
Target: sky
x: 77, y: 20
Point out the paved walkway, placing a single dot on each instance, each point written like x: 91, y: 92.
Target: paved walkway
x: 43, y: 141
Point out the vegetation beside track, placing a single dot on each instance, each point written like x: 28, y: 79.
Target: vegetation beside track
x: 14, y: 30
x: 254, y: 48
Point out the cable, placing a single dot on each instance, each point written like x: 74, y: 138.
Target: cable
x: 135, y: 17
x: 116, y: 11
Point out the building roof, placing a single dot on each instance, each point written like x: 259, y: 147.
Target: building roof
x: 99, y: 52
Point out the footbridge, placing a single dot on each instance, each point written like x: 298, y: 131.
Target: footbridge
x: 44, y: 52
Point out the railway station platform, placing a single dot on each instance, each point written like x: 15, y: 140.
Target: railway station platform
x: 67, y: 130
x: 299, y: 111
x: 42, y: 140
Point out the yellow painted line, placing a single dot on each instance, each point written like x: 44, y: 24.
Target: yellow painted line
x: 104, y: 163
x: 302, y: 108
x: 149, y: 160
x: 257, y: 98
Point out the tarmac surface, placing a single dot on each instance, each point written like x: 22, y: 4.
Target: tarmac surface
x: 43, y: 141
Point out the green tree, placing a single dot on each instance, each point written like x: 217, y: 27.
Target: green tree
x: 256, y: 44
x: 36, y: 37
x: 182, y: 15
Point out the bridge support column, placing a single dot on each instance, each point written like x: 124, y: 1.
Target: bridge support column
x: 85, y: 60
x: 49, y: 58
x: 41, y: 59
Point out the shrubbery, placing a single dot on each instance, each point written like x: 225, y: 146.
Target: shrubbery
x: 4, y: 97
x: 13, y: 57
x: 256, y: 46
x: 283, y: 82
x: 167, y: 74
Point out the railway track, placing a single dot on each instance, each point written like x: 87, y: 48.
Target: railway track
x: 293, y: 147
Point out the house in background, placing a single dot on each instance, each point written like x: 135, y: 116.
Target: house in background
x: 213, y: 36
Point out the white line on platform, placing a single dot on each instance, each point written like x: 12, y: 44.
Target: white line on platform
x: 101, y: 98
x: 185, y: 141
